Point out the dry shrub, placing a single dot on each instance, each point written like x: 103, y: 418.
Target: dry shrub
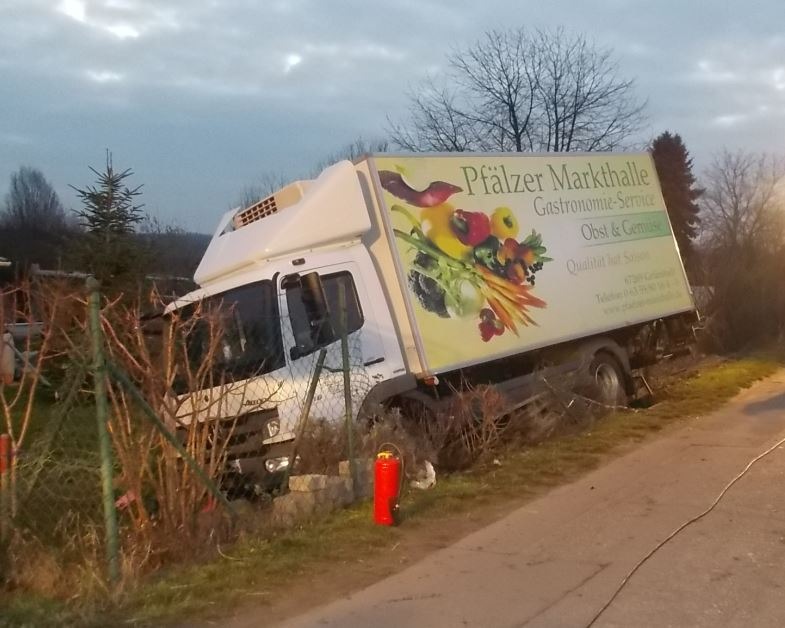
x: 747, y: 305
x: 72, y: 570
x: 469, y: 427
x: 480, y: 421
x: 322, y: 446
x: 58, y: 548
x: 33, y: 317
x: 324, y: 443
x: 535, y: 421
x: 33, y: 566
x: 165, y: 498
x: 392, y: 428
x: 161, y: 497
x: 550, y: 412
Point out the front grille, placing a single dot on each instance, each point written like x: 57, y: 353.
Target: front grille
x: 247, y: 437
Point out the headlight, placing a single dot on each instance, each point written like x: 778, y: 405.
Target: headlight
x: 276, y: 464
x: 273, y: 426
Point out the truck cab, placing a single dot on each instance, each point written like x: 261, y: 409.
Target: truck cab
x: 250, y: 273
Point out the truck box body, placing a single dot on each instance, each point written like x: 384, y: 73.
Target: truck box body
x: 612, y: 260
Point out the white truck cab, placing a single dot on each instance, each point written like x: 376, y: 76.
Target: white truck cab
x: 308, y: 227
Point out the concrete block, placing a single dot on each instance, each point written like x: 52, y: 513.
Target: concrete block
x: 311, y: 495
x: 308, y: 482
x: 290, y: 509
x: 364, y: 466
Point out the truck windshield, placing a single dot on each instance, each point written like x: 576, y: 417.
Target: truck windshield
x: 243, y: 328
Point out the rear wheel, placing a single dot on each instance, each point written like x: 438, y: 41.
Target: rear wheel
x: 607, y: 381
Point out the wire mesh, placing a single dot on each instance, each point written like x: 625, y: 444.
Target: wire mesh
x: 246, y: 408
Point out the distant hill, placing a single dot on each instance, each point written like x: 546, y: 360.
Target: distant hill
x: 166, y: 253
x: 173, y: 253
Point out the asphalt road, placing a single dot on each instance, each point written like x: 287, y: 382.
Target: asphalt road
x: 556, y: 561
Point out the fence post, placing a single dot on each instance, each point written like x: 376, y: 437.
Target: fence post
x: 304, y: 416
x: 347, y: 384
x: 104, y: 442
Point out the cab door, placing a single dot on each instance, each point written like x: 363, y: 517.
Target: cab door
x: 366, y: 352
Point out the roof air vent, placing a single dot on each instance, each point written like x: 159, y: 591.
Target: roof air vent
x: 283, y: 198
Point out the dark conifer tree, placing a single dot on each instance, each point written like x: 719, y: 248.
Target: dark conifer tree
x: 674, y: 168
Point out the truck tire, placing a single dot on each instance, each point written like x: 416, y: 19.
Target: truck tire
x: 607, y: 381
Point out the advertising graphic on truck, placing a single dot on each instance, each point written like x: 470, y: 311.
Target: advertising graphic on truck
x: 508, y: 253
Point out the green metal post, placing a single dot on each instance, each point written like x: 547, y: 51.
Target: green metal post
x: 104, y: 442
x: 347, y: 384
x: 304, y: 415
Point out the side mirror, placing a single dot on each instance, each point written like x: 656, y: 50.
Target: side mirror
x: 309, y: 313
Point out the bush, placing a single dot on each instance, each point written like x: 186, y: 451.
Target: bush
x: 747, y: 307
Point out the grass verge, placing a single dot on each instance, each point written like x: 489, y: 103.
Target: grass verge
x: 260, y: 570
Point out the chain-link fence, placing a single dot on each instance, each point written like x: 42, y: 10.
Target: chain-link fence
x: 129, y: 434
x: 124, y: 459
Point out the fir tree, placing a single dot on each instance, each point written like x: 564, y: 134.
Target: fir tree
x: 674, y: 168
x: 110, y: 215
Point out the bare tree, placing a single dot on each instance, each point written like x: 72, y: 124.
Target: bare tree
x: 270, y: 182
x: 586, y: 105
x: 33, y: 225
x: 743, y: 242
x: 31, y: 203
x: 352, y: 151
x: 500, y: 77
x: 743, y: 208
x: 436, y: 123
x: 518, y: 90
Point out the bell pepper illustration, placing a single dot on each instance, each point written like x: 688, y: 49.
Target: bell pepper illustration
x: 435, y: 194
x: 511, y: 250
x: 508, y: 251
x: 527, y: 254
x: 437, y: 226
x: 471, y: 228
x: 504, y: 224
x: 517, y: 259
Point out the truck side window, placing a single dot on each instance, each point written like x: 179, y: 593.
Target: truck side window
x: 331, y: 284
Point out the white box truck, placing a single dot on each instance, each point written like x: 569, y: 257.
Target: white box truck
x: 457, y: 267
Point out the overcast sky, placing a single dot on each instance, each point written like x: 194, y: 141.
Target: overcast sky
x: 202, y: 97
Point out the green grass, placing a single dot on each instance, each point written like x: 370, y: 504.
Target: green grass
x: 261, y: 569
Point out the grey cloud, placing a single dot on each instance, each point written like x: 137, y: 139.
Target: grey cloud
x: 200, y: 97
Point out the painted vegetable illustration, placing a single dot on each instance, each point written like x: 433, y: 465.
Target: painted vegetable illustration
x: 435, y: 194
x: 466, y: 263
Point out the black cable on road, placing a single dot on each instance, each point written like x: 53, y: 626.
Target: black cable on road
x: 689, y: 522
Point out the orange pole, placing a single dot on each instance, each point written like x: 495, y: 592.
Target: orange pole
x: 5, y: 453
x: 5, y: 485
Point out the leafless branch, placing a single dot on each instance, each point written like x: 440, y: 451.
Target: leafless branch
x: 517, y: 90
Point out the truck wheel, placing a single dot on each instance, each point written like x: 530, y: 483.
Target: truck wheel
x: 607, y: 381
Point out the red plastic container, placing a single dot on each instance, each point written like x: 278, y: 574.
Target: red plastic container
x: 5, y: 452
x: 386, y: 484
